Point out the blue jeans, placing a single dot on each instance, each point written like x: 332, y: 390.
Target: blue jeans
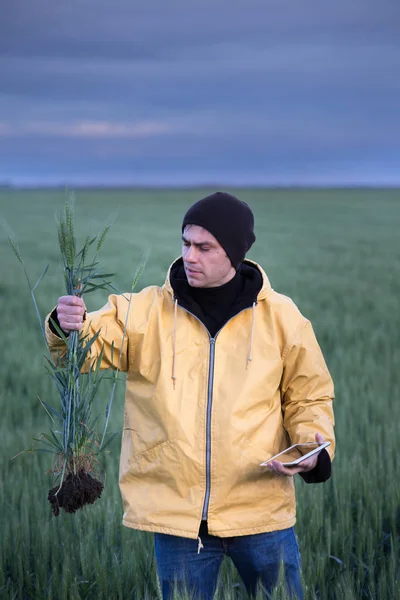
x: 257, y: 558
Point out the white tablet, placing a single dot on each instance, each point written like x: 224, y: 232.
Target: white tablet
x: 297, y: 453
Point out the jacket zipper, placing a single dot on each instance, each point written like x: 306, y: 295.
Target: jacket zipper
x: 209, y: 406
x: 208, y: 427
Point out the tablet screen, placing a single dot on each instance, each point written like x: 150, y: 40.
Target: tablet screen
x: 295, y: 452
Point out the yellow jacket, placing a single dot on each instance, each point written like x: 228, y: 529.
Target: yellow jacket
x: 201, y: 414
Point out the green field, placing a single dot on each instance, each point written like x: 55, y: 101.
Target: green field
x: 336, y: 253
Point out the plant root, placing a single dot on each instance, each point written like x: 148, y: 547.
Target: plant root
x: 76, y: 491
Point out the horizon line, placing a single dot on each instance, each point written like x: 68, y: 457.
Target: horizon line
x: 160, y: 187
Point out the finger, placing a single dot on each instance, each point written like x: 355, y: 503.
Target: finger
x: 70, y: 319
x: 319, y: 438
x: 308, y: 464
x: 70, y: 325
x: 70, y: 310
x: 278, y: 468
x: 286, y: 471
x: 71, y: 301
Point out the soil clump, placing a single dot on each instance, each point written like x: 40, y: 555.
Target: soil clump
x: 76, y: 490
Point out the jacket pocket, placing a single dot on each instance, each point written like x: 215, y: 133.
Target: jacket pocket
x: 155, y: 461
x: 150, y: 453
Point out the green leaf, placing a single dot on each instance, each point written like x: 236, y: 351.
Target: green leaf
x: 47, y: 443
x: 112, y: 287
x: 85, y: 351
x: 102, y: 275
x: 92, y: 288
x: 108, y: 442
x: 89, y: 268
x: 59, y: 331
x: 50, y: 410
x: 40, y: 278
x: 57, y: 442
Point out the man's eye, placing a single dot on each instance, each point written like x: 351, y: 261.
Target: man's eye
x: 205, y: 249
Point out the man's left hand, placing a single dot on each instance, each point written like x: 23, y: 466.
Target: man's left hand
x: 307, y: 465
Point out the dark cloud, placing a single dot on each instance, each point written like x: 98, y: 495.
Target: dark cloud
x: 123, y: 29
x: 273, y: 90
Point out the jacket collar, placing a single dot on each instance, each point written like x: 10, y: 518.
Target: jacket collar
x: 264, y: 291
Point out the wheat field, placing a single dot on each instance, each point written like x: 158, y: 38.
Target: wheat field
x: 336, y: 253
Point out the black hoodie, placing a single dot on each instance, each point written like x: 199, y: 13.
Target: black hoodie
x: 215, y: 306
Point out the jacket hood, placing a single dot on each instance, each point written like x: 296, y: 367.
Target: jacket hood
x: 254, y: 274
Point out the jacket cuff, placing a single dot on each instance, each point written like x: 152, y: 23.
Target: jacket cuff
x: 322, y: 470
x: 53, y: 316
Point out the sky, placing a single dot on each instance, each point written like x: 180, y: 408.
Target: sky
x: 199, y: 92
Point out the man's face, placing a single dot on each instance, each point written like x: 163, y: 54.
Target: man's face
x: 206, y: 262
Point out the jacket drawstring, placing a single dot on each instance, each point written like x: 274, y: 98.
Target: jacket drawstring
x: 253, y: 314
x: 173, y: 377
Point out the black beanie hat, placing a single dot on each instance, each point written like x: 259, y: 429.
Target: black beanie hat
x: 229, y: 220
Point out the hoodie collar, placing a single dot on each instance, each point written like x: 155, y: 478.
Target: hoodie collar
x: 256, y: 287
x: 264, y: 287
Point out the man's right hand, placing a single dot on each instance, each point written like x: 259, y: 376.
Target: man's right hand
x: 71, y: 311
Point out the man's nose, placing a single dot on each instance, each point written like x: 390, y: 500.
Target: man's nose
x: 191, y: 254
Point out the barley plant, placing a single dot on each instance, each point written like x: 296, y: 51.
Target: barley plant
x: 74, y: 437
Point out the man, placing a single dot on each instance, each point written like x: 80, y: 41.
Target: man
x: 223, y: 372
